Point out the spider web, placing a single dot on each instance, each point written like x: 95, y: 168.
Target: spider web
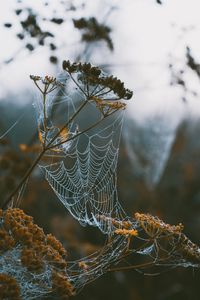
x: 83, y: 173
x: 97, y: 263
x: 85, y: 180
x: 149, y: 149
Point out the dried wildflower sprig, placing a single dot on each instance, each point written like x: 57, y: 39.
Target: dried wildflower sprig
x: 155, y: 227
x: 162, y: 243
x: 93, y: 76
x: 95, y: 87
x: 107, y: 107
x: 39, y: 256
x: 47, y: 84
x: 164, y: 246
x: 105, y: 91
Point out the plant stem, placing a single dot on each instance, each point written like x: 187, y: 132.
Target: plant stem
x: 27, y: 174
x: 45, y: 119
x: 76, y: 83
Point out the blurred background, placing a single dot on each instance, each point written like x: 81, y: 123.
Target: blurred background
x: 153, y: 46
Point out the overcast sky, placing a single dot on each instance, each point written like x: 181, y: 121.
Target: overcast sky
x: 145, y: 35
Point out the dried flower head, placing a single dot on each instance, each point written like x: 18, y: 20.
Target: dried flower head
x: 155, y: 227
x: 49, y: 80
x: 102, y: 84
x: 35, y: 77
x: 38, y: 255
x: 9, y: 288
x: 62, y: 286
x: 106, y: 107
x: 47, y: 84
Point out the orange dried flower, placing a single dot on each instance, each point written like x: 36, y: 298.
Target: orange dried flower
x: 128, y: 232
x: 62, y: 286
x: 37, y: 248
x: 83, y: 265
x: 52, y: 241
x: 6, y: 240
x: 31, y: 260
x: 9, y: 288
x: 153, y: 226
